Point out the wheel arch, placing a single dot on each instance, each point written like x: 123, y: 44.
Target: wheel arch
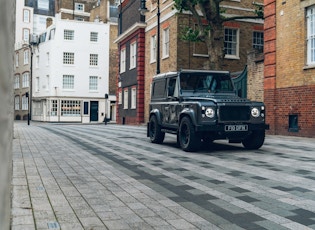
x: 157, y: 113
x: 188, y: 113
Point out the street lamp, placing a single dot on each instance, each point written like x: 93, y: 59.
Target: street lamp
x: 28, y: 107
x: 143, y: 10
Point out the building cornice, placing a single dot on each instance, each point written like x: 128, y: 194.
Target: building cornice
x: 130, y: 31
x: 76, y: 12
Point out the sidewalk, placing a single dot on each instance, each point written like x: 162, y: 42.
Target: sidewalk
x: 57, y: 185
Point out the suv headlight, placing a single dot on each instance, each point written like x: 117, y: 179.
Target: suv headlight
x: 255, y: 112
x: 210, y: 112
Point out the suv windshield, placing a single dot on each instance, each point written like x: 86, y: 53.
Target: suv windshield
x: 206, y: 82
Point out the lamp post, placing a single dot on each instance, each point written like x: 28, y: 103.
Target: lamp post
x: 29, y: 94
x: 28, y: 107
x: 105, y: 118
x: 143, y: 10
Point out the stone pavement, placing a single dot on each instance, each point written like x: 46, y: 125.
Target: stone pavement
x: 112, y: 177
x: 54, y: 180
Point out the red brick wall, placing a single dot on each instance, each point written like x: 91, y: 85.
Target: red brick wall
x: 270, y: 62
x: 295, y: 101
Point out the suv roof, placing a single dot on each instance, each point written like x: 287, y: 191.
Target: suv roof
x: 162, y: 75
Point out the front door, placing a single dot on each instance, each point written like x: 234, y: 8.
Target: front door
x: 94, y: 111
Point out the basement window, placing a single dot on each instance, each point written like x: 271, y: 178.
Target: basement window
x: 293, y: 123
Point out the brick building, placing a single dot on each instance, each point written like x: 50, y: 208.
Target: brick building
x: 176, y: 54
x: 134, y: 80
x: 289, y: 67
x: 131, y: 48
x: 76, y: 10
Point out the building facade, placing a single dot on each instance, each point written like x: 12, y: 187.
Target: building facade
x: 289, y: 67
x: 241, y: 36
x: 107, y: 11
x: 70, y: 73
x: 175, y: 54
x: 131, y: 48
x: 22, y: 59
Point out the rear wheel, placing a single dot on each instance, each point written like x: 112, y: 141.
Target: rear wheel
x: 188, y: 139
x: 155, y: 133
x: 255, y: 140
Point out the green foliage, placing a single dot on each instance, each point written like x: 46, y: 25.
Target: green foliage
x: 189, y: 34
x: 259, y: 11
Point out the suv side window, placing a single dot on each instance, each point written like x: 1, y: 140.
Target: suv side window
x: 171, y: 87
x: 158, y: 88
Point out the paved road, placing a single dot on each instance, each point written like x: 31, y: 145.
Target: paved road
x: 68, y: 176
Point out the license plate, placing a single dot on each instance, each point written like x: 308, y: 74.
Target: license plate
x: 236, y: 128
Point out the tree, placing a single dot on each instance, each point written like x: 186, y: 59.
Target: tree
x: 212, y: 33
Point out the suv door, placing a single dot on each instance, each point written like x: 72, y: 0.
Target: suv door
x: 172, y: 102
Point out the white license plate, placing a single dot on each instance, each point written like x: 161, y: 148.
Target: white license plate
x: 235, y: 128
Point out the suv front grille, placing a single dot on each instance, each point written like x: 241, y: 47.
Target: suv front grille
x: 234, y: 113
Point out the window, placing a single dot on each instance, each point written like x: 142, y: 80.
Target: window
x: 93, y: 59
x: 119, y: 97
x: 78, y: 18
x: 123, y: 60
x: 93, y: 36
x: 16, y: 59
x: 70, y: 108
x: 26, y: 16
x: 93, y: 83
x: 51, y: 34
x: 17, y: 103
x: 26, y: 80
x: 37, y: 84
x: 68, y: 58
x: 26, y: 35
x: 258, y: 40
x: 133, y: 98
x: 231, y: 43
x: 79, y: 6
x: 54, y: 106
x: 42, y: 37
x: 153, y: 49
x: 86, y: 108
x: 166, y: 42
x: 16, y: 81
x: 68, y: 34
x: 26, y: 57
x: 133, y: 55
x: 43, y: 4
x: 126, y: 99
x: 310, y: 17
x: 24, y: 102
x: 68, y: 82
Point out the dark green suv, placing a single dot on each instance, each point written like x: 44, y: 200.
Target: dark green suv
x: 202, y: 106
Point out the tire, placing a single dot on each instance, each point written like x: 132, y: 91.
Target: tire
x: 155, y: 133
x: 255, y: 140
x: 189, y: 140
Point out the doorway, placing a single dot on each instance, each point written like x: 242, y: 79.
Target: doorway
x: 94, y: 111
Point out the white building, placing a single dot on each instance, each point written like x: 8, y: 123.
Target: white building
x: 23, y: 24
x: 70, y: 72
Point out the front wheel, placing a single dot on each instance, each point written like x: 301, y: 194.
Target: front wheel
x: 255, y: 140
x: 155, y: 133
x: 189, y: 140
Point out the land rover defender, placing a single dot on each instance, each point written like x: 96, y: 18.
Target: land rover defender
x: 202, y: 106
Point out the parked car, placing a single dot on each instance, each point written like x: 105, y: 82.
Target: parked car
x: 202, y: 106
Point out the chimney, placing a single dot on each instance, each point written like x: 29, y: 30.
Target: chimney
x: 49, y: 22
